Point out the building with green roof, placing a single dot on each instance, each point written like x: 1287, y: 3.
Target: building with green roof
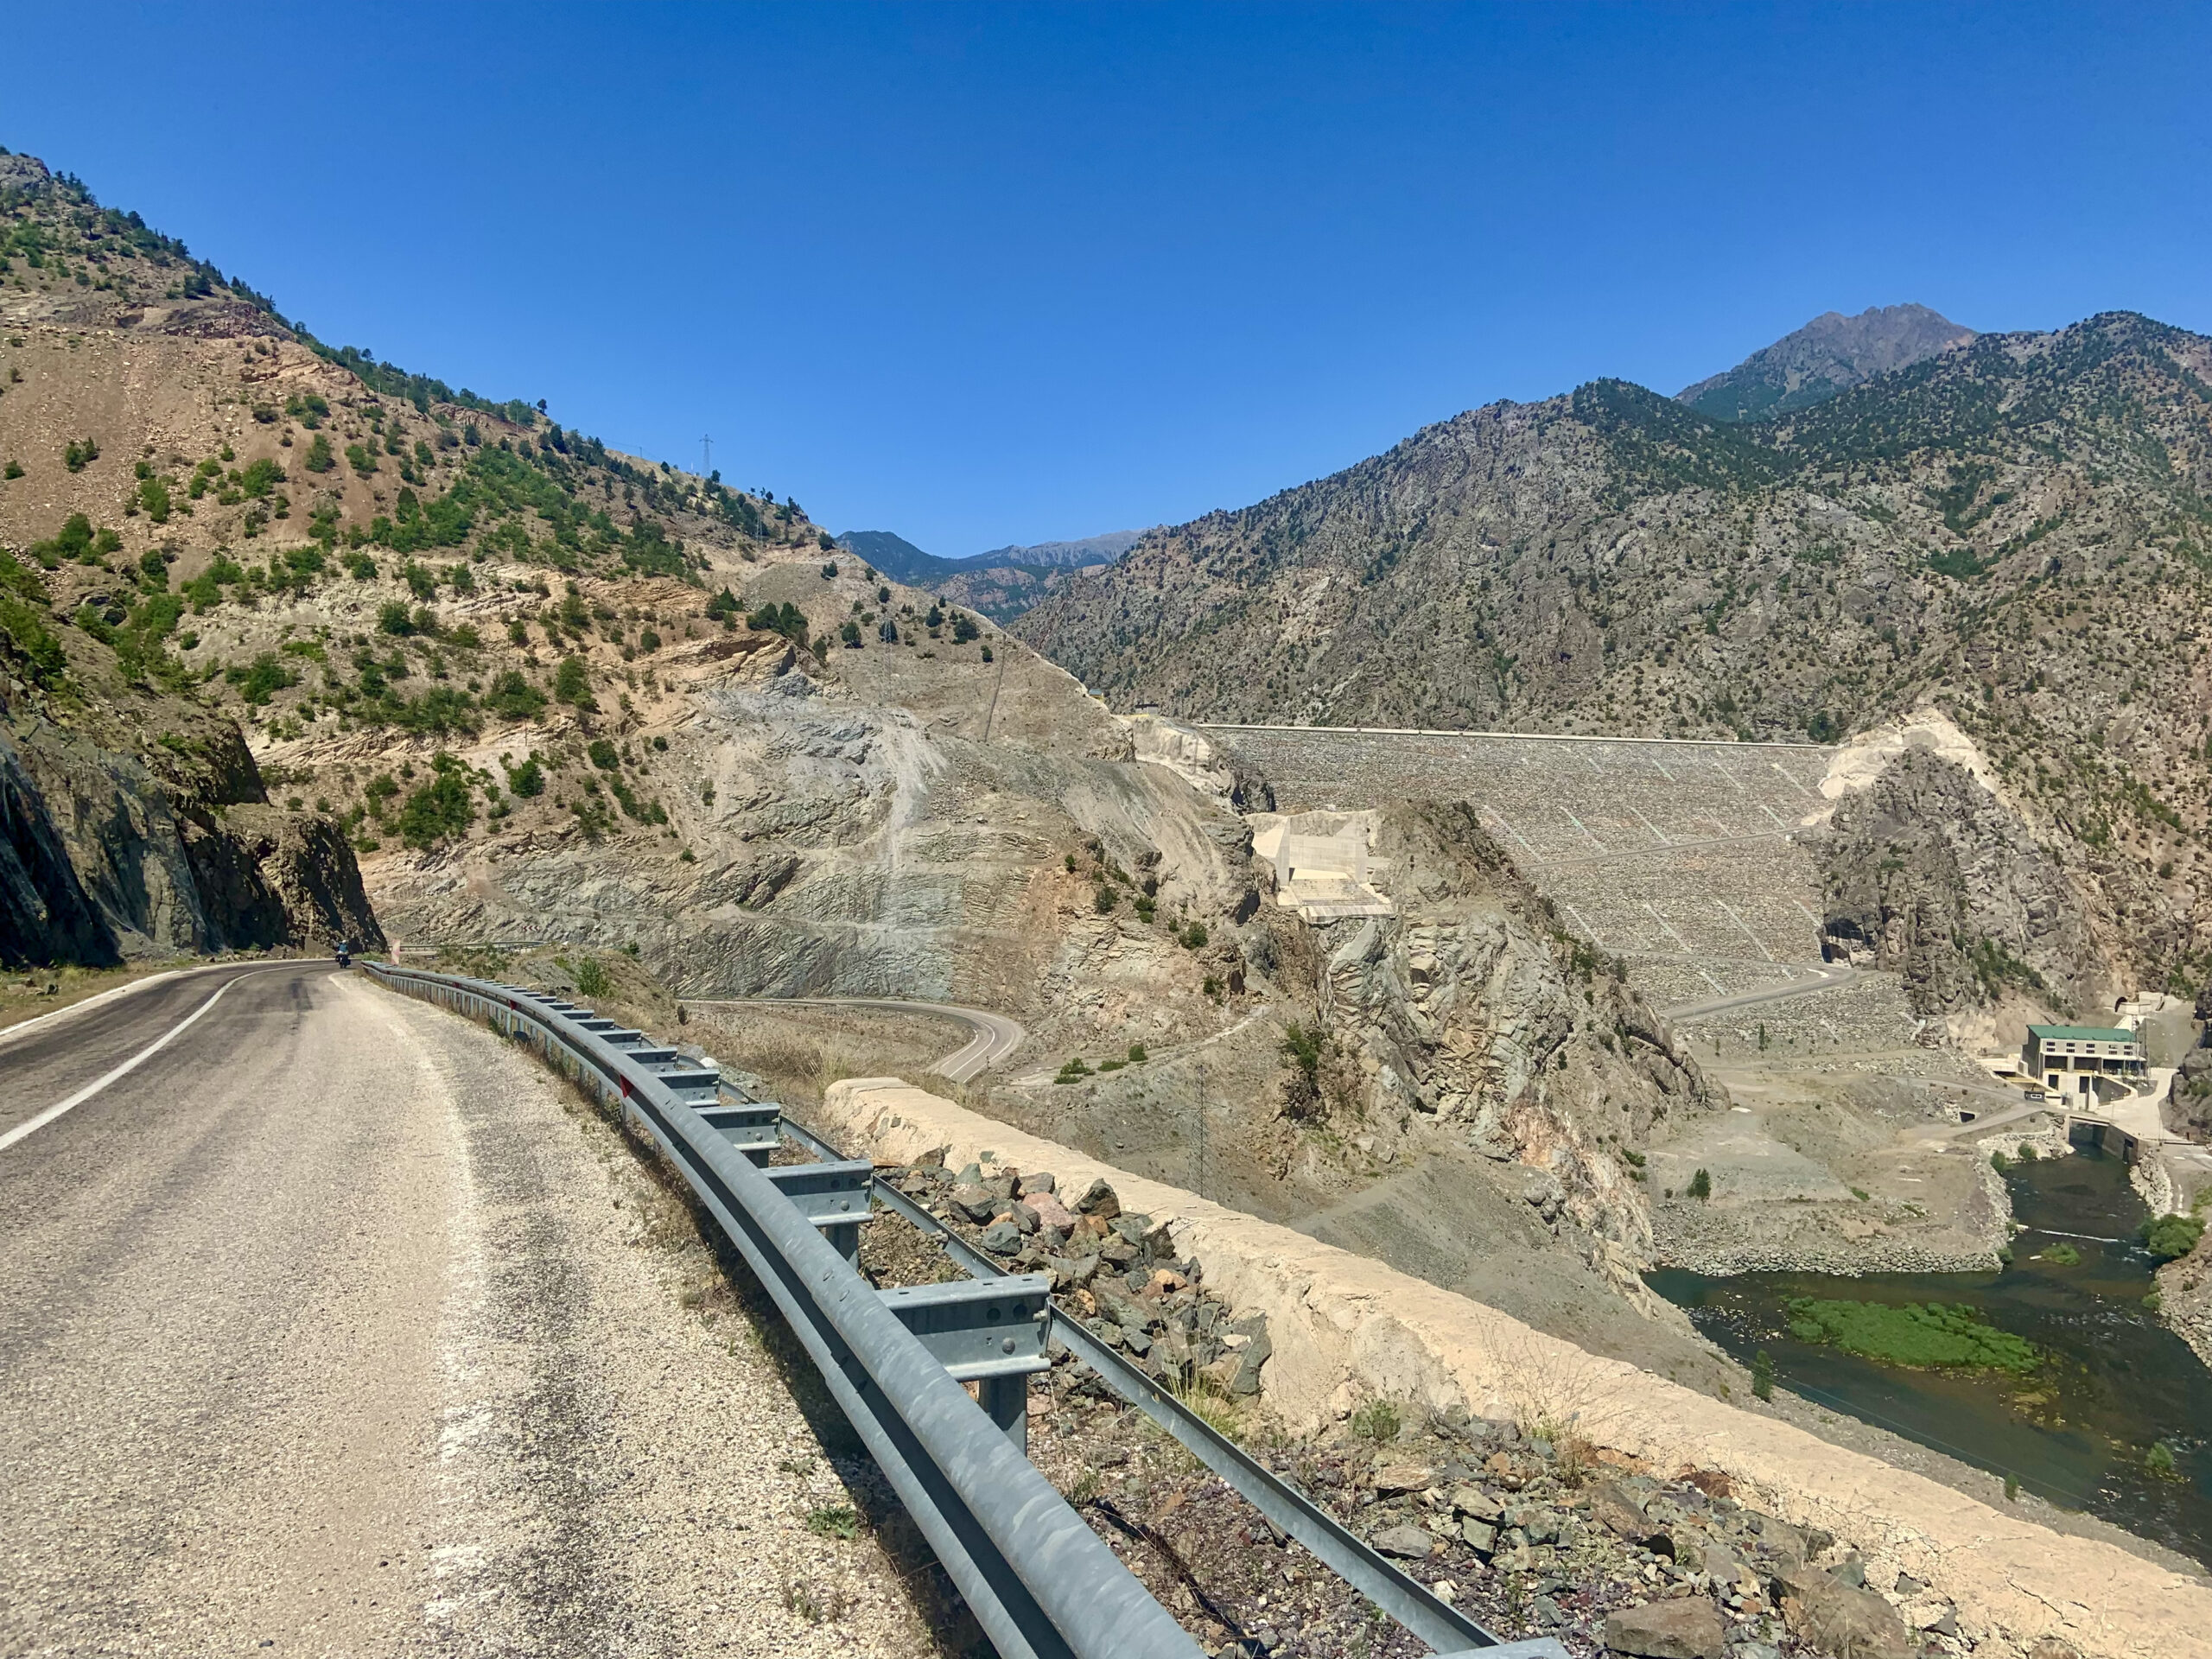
x: 2072, y: 1058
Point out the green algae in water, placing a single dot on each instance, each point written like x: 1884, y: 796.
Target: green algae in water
x: 1926, y: 1336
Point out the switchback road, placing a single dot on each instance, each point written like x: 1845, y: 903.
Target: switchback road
x: 330, y: 1325
x: 993, y: 1035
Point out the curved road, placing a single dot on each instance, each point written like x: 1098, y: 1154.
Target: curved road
x: 1827, y: 976
x: 329, y: 1324
x: 993, y: 1037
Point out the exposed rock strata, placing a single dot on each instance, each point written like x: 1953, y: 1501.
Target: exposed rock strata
x: 1929, y: 875
x: 1473, y: 1013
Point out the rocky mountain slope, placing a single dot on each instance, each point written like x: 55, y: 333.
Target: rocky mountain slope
x: 2012, y: 533
x: 1928, y: 873
x: 1831, y: 353
x: 136, y: 820
x: 1089, y: 549
x: 545, y: 692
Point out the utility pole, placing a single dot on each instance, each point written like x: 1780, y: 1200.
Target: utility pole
x: 1199, y: 1184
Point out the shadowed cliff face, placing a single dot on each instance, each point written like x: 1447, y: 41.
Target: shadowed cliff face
x: 1931, y: 875
x: 133, y: 825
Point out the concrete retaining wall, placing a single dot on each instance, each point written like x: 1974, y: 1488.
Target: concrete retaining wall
x: 1345, y: 1327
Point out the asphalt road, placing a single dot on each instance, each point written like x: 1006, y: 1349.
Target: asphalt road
x: 993, y: 1035
x: 1825, y: 978
x: 334, y: 1325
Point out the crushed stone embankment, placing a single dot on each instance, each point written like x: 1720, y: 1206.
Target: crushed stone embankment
x: 1345, y: 1327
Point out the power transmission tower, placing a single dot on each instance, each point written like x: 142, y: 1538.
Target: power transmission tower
x: 706, y: 456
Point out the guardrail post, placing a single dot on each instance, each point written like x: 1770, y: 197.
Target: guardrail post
x: 1007, y: 1400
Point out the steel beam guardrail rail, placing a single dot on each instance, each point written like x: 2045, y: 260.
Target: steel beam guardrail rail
x: 1039, y: 1580
x: 1435, y: 1621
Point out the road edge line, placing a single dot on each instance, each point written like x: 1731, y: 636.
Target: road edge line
x: 31, y: 1125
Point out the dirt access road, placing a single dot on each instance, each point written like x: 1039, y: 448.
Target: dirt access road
x: 332, y: 1325
x: 993, y: 1036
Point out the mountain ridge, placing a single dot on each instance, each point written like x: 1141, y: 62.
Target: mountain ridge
x: 2025, y: 512
x: 1830, y: 354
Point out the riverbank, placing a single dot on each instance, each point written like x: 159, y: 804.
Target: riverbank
x: 2107, y: 1417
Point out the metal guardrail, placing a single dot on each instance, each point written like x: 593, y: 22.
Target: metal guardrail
x: 1039, y: 1581
x: 1434, y: 1620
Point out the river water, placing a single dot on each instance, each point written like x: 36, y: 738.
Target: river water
x: 2078, y: 1431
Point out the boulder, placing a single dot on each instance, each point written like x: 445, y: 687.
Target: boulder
x: 1001, y: 1238
x: 1473, y: 1501
x: 1042, y: 1181
x: 1614, y: 1509
x: 1244, y: 1382
x: 1687, y: 1629
x: 1022, y: 1216
x: 1099, y: 1199
x: 1408, y: 1543
x: 973, y: 1200
x: 1824, y: 1612
x: 1124, y: 1309
x: 1051, y: 1212
x: 1070, y: 1272
x: 1785, y: 1540
x: 1481, y: 1537
x: 1396, y: 1479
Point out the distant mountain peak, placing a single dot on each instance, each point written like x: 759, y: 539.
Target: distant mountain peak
x: 1830, y: 354
x: 896, y: 556
x: 1091, y: 549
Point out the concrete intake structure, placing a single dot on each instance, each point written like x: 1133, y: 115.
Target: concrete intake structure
x: 1346, y: 1328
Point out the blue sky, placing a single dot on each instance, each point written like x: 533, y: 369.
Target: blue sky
x: 984, y: 275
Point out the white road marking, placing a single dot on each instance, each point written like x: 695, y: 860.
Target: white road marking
x: 89, y: 1002
x: 125, y: 1069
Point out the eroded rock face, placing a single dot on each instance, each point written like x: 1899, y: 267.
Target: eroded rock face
x: 1471, y: 1009
x: 1929, y: 874
x: 2187, y: 1107
x: 112, y: 854
x: 849, y: 846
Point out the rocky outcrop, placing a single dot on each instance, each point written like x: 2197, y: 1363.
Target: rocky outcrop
x: 2185, y: 1296
x: 1930, y: 875
x: 109, y: 854
x: 1471, y: 1009
x: 2187, y: 1107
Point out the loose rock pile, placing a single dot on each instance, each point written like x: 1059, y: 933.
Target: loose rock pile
x: 1116, y: 1271
x: 1530, y: 1538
